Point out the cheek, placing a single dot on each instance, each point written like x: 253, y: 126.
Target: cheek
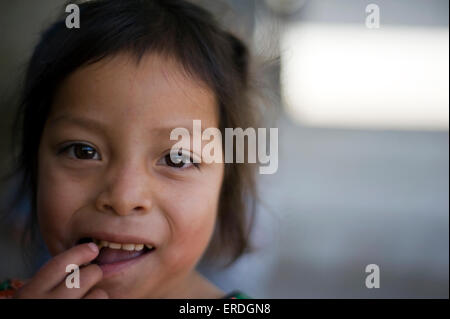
x: 57, y: 199
x: 193, y: 212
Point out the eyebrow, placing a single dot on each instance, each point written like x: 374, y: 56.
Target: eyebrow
x: 84, y: 122
x: 98, y: 126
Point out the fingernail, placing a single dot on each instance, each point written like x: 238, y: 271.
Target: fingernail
x: 94, y: 247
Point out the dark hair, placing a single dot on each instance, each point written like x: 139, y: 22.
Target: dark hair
x: 175, y: 28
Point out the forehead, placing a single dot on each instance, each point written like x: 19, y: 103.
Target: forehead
x: 119, y: 91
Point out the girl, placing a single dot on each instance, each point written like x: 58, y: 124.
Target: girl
x: 99, y: 105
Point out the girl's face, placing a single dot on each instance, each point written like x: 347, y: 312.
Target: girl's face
x: 103, y: 172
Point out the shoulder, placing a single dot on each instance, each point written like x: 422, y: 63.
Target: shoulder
x: 236, y: 294
x: 9, y: 286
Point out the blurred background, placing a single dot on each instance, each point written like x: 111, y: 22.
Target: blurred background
x: 363, y: 117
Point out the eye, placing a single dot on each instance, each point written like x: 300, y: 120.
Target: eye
x: 180, y: 159
x: 81, y: 151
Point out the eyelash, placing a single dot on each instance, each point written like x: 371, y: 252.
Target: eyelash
x: 183, y: 153
x: 67, y: 148
x: 71, y: 146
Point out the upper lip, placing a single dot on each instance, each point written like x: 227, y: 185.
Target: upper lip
x: 118, y: 238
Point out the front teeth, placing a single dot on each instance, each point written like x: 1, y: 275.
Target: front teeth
x: 128, y: 247
x: 115, y: 245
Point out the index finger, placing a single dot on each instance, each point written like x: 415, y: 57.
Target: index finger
x: 54, y: 271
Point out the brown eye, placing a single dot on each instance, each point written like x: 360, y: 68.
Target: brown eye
x: 81, y: 151
x: 179, y: 159
x: 84, y: 151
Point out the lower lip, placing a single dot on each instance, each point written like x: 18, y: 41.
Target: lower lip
x: 117, y: 267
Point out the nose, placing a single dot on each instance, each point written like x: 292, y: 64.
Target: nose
x: 127, y: 191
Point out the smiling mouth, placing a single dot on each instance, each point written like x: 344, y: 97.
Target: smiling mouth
x: 111, y: 252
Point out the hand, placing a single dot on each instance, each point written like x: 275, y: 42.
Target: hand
x: 50, y: 281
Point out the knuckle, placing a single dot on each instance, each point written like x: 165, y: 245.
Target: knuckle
x: 58, y: 263
x: 91, y: 273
